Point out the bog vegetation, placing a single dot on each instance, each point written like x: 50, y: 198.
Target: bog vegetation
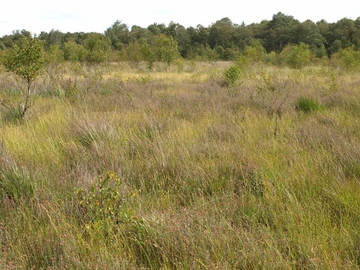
x: 138, y: 155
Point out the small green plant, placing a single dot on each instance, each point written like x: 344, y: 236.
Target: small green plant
x: 232, y: 76
x: 102, y: 205
x: 308, y: 105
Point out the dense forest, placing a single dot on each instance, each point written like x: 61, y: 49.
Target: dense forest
x: 223, y: 40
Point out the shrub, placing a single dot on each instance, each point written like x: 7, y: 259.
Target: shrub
x: 232, y: 76
x: 347, y: 58
x: 102, y: 205
x: 295, y: 56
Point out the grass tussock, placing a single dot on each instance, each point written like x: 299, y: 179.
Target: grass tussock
x: 131, y: 169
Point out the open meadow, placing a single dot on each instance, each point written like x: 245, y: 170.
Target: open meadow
x: 119, y: 167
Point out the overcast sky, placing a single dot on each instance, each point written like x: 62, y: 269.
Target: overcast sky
x: 96, y: 16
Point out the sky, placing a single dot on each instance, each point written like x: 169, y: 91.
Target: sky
x: 96, y: 16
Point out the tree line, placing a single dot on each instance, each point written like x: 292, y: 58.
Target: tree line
x: 223, y: 40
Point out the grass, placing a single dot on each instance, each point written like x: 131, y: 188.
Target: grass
x: 196, y: 178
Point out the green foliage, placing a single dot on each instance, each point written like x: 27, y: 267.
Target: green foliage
x: 133, y: 52
x: 221, y: 33
x: 232, y: 76
x: 225, y: 39
x: 281, y: 32
x: 97, y: 47
x: 103, y: 203
x: 347, y: 58
x: 54, y: 55
x: 308, y: 105
x: 166, y: 49
x: 118, y: 34
x: 296, y: 56
x: 204, y: 53
x: 27, y: 60
x: 336, y: 46
x: 227, y: 54
x: 255, y: 52
x: 74, y: 52
x: 148, y: 54
x: 300, y: 57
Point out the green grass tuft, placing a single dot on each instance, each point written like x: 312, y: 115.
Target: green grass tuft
x: 308, y: 105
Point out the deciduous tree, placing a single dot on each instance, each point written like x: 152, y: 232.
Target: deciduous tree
x: 26, y: 61
x: 166, y: 49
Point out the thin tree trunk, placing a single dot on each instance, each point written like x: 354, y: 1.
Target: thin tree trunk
x: 27, y: 104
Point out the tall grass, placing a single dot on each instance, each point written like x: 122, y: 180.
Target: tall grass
x: 202, y: 181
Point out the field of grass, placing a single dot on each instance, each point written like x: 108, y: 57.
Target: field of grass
x: 131, y: 169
